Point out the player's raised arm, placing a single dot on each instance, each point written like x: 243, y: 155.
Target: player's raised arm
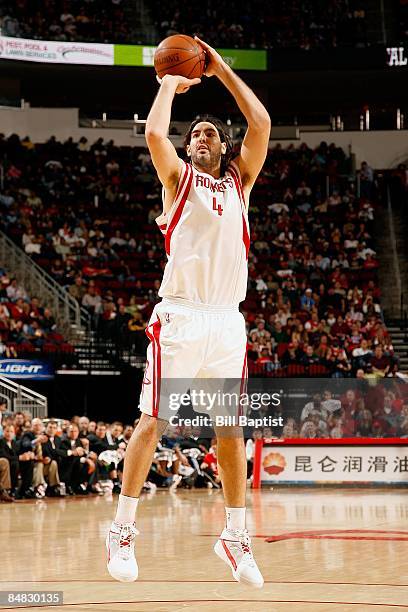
x: 255, y: 144
x: 164, y: 155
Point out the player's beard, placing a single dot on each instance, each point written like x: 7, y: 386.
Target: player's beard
x: 210, y: 160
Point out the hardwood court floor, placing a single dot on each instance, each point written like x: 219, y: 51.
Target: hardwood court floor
x: 329, y: 550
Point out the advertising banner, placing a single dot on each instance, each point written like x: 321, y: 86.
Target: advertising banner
x: 55, y: 52
x: 239, y: 59
x: 58, y: 52
x: 26, y: 369
x: 334, y: 464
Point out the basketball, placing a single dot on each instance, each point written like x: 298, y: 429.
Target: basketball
x: 179, y: 55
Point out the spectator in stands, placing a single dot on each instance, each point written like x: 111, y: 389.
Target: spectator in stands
x: 76, y: 467
x: 314, y: 406
x: 32, y: 441
x: 209, y: 465
x: 20, y: 463
x: 366, y: 180
x: 307, y: 302
x: 5, y: 481
x: 98, y: 443
x: 78, y: 289
x: 362, y: 355
x: 309, y: 357
x: 291, y: 356
x: 83, y: 424
x: 52, y: 456
x: 379, y: 363
x: 114, y: 434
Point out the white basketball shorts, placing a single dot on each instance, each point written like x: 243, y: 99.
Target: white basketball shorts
x: 191, y: 341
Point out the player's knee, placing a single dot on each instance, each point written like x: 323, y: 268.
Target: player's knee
x: 147, y: 426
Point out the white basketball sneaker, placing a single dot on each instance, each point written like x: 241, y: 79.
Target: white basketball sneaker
x: 120, y: 544
x: 234, y: 548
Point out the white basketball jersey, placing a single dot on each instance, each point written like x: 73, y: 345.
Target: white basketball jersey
x: 207, y: 239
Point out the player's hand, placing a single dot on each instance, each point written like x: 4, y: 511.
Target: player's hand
x: 181, y: 83
x: 214, y: 60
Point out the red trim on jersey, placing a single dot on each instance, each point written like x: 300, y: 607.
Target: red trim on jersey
x: 151, y: 338
x: 155, y: 342
x: 177, y: 214
x: 244, y: 379
x: 240, y: 188
x: 182, y: 181
x: 244, y: 374
x: 229, y: 555
x: 245, y: 233
x: 156, y: 334
x: 238, y: 184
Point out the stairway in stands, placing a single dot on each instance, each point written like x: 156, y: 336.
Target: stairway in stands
x: 399, y: 333
x: 380, y: 22
x: 103, y: 356
x: 140, y: 16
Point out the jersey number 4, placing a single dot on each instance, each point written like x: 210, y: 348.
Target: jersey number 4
x: 217, y: 207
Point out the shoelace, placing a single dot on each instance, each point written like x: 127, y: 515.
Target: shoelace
x: 126, y: 537
x: 244, y: 542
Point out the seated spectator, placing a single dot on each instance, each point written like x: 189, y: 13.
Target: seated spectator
x: 209, y: 465
x: 83, y: 425
x: 362, y: 355
x: 45, y: 469
x: 19, y: 464
x: 114, y: 434
x: 309, y: 357
x: 291, y: 355
x: 5, y: 481
x: 307, y: 302
x: 52, y: 457
x: 379, y: 363
x: 98, y: 443
x: 314, y: 406
x: 77, y: 468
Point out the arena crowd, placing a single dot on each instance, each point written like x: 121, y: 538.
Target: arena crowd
x: 86, y: 213
x: 67, y: 20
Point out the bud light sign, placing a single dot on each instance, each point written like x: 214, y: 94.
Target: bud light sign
x: 27, y: 369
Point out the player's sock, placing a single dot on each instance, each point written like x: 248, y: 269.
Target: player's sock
x: 235, y: 518
x: 126, y: 510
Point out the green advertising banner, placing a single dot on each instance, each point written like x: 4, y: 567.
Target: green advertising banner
x: 239, y: 59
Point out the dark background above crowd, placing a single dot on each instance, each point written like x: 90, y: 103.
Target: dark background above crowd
x: 305, y: 24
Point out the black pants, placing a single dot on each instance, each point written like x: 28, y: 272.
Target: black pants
x: 73, y: 472
x: 25, y: 469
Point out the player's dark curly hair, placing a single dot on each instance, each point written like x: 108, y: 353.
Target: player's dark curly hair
x: 222, y: 130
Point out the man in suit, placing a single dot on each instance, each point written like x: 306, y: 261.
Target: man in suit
x: 77, y: 468
x: 52, y: 455
x: 19, y: 462
x: 99, y: 442
x: 32, y: 441
x: 5, y: 474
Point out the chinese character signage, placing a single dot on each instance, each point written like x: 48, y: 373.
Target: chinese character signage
x: 377, y: 464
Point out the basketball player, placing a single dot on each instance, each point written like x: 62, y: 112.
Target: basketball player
x: 197, y: 329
